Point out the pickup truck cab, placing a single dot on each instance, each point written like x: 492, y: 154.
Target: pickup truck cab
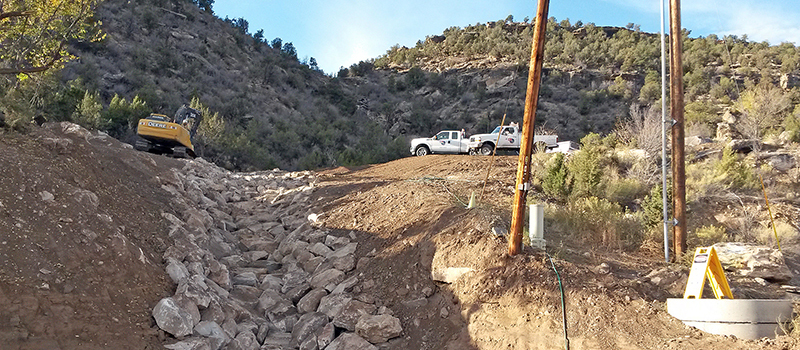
x: 446, y: 141
x: 507, y: 137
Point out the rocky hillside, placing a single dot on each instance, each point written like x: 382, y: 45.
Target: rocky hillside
x: 275, y: 109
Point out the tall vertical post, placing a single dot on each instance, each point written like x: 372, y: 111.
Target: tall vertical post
x: 526, y: 144
x: 676, y: 109
x: 664, y: 204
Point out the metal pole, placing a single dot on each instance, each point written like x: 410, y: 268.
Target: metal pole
x: 676, y: 109
x: 526, y: 144
x: 664, y: 136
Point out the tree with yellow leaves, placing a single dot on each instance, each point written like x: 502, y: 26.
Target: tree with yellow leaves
x: 34, y: 33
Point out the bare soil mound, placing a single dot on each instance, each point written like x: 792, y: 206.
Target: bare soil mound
x: 413, y: 212
x: 81, y: 243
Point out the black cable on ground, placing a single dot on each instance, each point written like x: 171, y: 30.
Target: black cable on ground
x: 563, y: 304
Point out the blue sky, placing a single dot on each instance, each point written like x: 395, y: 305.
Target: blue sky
x: 338, y: 33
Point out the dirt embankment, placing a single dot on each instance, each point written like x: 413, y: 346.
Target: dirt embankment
x: 84, y: 238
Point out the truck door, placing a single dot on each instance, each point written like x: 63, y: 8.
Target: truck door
x: 457, y: 143
x: 441, y: 143
x: 509, y: 137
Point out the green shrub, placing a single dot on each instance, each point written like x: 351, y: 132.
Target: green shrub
x: 597, y: 221
x: 732, y: 173
x: 555, y: 180
x: 707, y: 235
x: 624, y: 190
x: 87, y: 113
x: 653, y: 208
x: 585, y: 167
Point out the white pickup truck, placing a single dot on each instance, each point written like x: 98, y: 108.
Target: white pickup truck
x: 509, y: 139
x: 447, y: 141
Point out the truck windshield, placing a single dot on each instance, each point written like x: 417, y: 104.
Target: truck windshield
x: 496, y: 130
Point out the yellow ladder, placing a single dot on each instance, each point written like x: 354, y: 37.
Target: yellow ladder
x: 706, y: 265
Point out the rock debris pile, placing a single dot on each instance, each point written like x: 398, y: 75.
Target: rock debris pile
x: 253, y: 272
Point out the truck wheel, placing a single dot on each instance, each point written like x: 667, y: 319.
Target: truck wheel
x: 422, y: 151
x: 472, y: 152
x: 487, y: 149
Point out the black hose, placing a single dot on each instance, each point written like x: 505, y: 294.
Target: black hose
x: 563, y: 305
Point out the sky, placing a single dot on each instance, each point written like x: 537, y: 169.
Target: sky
x: 339, y: 33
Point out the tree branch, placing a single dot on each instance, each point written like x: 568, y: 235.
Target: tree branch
x: 11, y: 14
x: 53, y: 59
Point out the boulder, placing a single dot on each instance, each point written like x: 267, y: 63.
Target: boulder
x: 172, y: 318
x: 350, y: 341
x: 332, y: 304
x: 326, y: 278
x: 194, y: 343
x: 378, y: 328
x: 211, y: 330
x: 325, y: 335
x: 351, y: 313
x: 177, y: 271
x: 307, y: 326
x: 310, y: 301
x: 244, y: 341
x: 752, y: 260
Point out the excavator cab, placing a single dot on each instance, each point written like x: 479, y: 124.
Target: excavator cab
x: 161, y: 135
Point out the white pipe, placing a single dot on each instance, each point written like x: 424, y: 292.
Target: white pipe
x: 536, y: 228
x: 664, y: 135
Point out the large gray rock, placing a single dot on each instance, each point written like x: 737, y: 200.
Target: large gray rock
x: 215, y: 334
x: 296, y: 293
x: 219, y: 274
x: 751, y: 260
x: 193, y: 343
x: 344, y: 251
x: 196, y: 290
x: 326, y: 278
x: 213, y: 313
x: 332, y: 304
x: 172, y: 318
x: 177, y: 271
x: 351, y: 313
x: 350, y: 341
x: 293, y: 279
x: 277, y: 341
x: 307, y: 326
x: 271, y: 282
x: 320, y: 249
x: 378, y: 328
x: 244, y: 341
x: 247, y: 278
x: 325, y: 335
x: 310, y: 301
x: 272, y: 301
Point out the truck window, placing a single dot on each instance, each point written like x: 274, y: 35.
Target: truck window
x: 455, y: 135
x: 508, y: 131
x: 444, y: 135
x: 496, y: 130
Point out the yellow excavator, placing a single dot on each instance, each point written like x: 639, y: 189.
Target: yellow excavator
x: 161, y: 135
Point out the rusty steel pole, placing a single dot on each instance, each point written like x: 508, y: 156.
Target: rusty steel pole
x: 526, y: 144
x: 676, y: 110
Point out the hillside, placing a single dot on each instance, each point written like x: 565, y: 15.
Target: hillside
x: 276, y: 111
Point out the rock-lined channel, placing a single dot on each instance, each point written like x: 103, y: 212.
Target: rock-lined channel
x: 253, y: 272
